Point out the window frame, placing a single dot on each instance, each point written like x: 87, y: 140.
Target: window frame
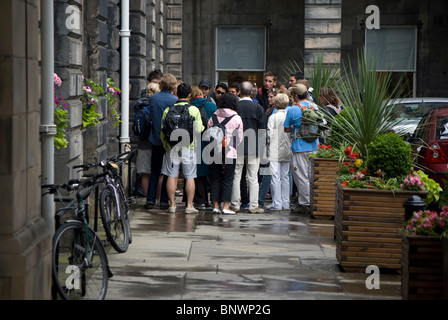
x: 262, y: 28
x: 414, y: 71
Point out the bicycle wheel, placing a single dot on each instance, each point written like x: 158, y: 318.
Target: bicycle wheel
x: 116, y: 227
x: 125, y: 206
x: 80, y: 265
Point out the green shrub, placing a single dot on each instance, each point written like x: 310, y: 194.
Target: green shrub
x: 389, y: 153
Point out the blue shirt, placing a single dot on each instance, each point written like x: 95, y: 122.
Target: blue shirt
x: 157, y: 104
x: 294, y: 118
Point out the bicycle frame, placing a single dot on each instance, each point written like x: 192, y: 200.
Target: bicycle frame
x: 110, y: 182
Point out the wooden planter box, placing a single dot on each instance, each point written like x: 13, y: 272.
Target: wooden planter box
x: 323, y: 187
x: 422, y: 268
x: 367, y: 228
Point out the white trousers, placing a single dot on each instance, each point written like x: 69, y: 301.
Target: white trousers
x: 280, y: 188
x: 301, y: 173
x: 252, y: 166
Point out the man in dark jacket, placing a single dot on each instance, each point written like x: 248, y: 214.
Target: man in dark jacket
x: 270, y: 81
x: 254, y: 124
x: 154, y: 76
x: 157, y: 105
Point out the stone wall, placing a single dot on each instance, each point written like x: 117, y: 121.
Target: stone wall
x: 69, y: 61
x: 25, y: 239
x: 172, y: 38
x: 92, y: 50
x: 431, y: 21
x: 322, y: 33
x: 283, y: 19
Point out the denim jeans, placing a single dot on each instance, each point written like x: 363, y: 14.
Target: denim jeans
x: 264, y: 188
x: 156, y: 168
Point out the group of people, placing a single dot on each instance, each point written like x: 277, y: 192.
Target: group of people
x: 261, y: 150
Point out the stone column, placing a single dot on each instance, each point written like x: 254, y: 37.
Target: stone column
x: 322, y: 33
x: 173, y: 39
x: 69, y: 58
x: 25, y: 239
x: 96, y: 65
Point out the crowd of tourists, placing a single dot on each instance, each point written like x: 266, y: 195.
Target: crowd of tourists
x: 260, y: 153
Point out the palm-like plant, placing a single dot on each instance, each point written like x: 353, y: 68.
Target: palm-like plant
x: 323, y: 75
x: 288, y: 69
x: 365, y: 96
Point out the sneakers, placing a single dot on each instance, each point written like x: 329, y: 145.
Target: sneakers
x: 191, y: 210
x: 235, y: 208
x: 230, y: 212
x: 149, y: 205
x: 216, y: 211
x: 256, y: 210
x: 164, y: 206
x: 302, y: 209
x: 172, y: 209
x: 201, y: 207
x: 271, y: 208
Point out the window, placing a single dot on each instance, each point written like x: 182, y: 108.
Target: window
x: 240, y: 48
x: 394, y: 49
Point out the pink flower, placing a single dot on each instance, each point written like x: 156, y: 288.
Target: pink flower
x: 87, y: 89
x: 57, y: 81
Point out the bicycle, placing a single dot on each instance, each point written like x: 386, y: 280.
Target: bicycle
x: 113, y: 203
x: 80, y: 267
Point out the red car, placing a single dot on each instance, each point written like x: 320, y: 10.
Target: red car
x: 431, y: 141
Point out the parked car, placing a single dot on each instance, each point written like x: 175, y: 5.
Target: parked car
x: 409, y: 112
x: 430, y: 142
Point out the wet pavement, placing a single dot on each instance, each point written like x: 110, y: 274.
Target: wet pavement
x: 270, y: 256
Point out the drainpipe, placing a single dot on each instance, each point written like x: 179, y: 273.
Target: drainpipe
x: 125, y: 34
x: 47, y: 128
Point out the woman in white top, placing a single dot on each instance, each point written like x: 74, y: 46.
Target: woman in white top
x: 279, y: 155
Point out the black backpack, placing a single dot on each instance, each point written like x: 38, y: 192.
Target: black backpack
x: 142, y: 119
x: 178, y: 117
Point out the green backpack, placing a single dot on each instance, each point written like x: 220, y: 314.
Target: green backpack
x: 313, y: 124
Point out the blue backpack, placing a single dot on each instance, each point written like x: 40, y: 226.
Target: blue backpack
x: 142, y: 119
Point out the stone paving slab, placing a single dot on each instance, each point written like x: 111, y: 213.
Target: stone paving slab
x: 270, y: 256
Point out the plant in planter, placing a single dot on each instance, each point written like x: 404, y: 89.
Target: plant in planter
x: 389, y: 153
x: 329, y: 152
x: 369, y: 205
x: 364, y: 95
x: 325, y: 166
x: 424, y: 271
x: 419, y: 181
x: 428, y: 223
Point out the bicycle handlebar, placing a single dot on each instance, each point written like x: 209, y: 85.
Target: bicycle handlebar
x: 71, y: 185
x: 117, y: 158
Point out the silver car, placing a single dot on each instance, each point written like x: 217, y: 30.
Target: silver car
x: 409, y: 112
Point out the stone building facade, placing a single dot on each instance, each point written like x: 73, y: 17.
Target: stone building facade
x: 86, y: 44
x: 93, y: 51
x: 299, y: 30
x: 181, y: 37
